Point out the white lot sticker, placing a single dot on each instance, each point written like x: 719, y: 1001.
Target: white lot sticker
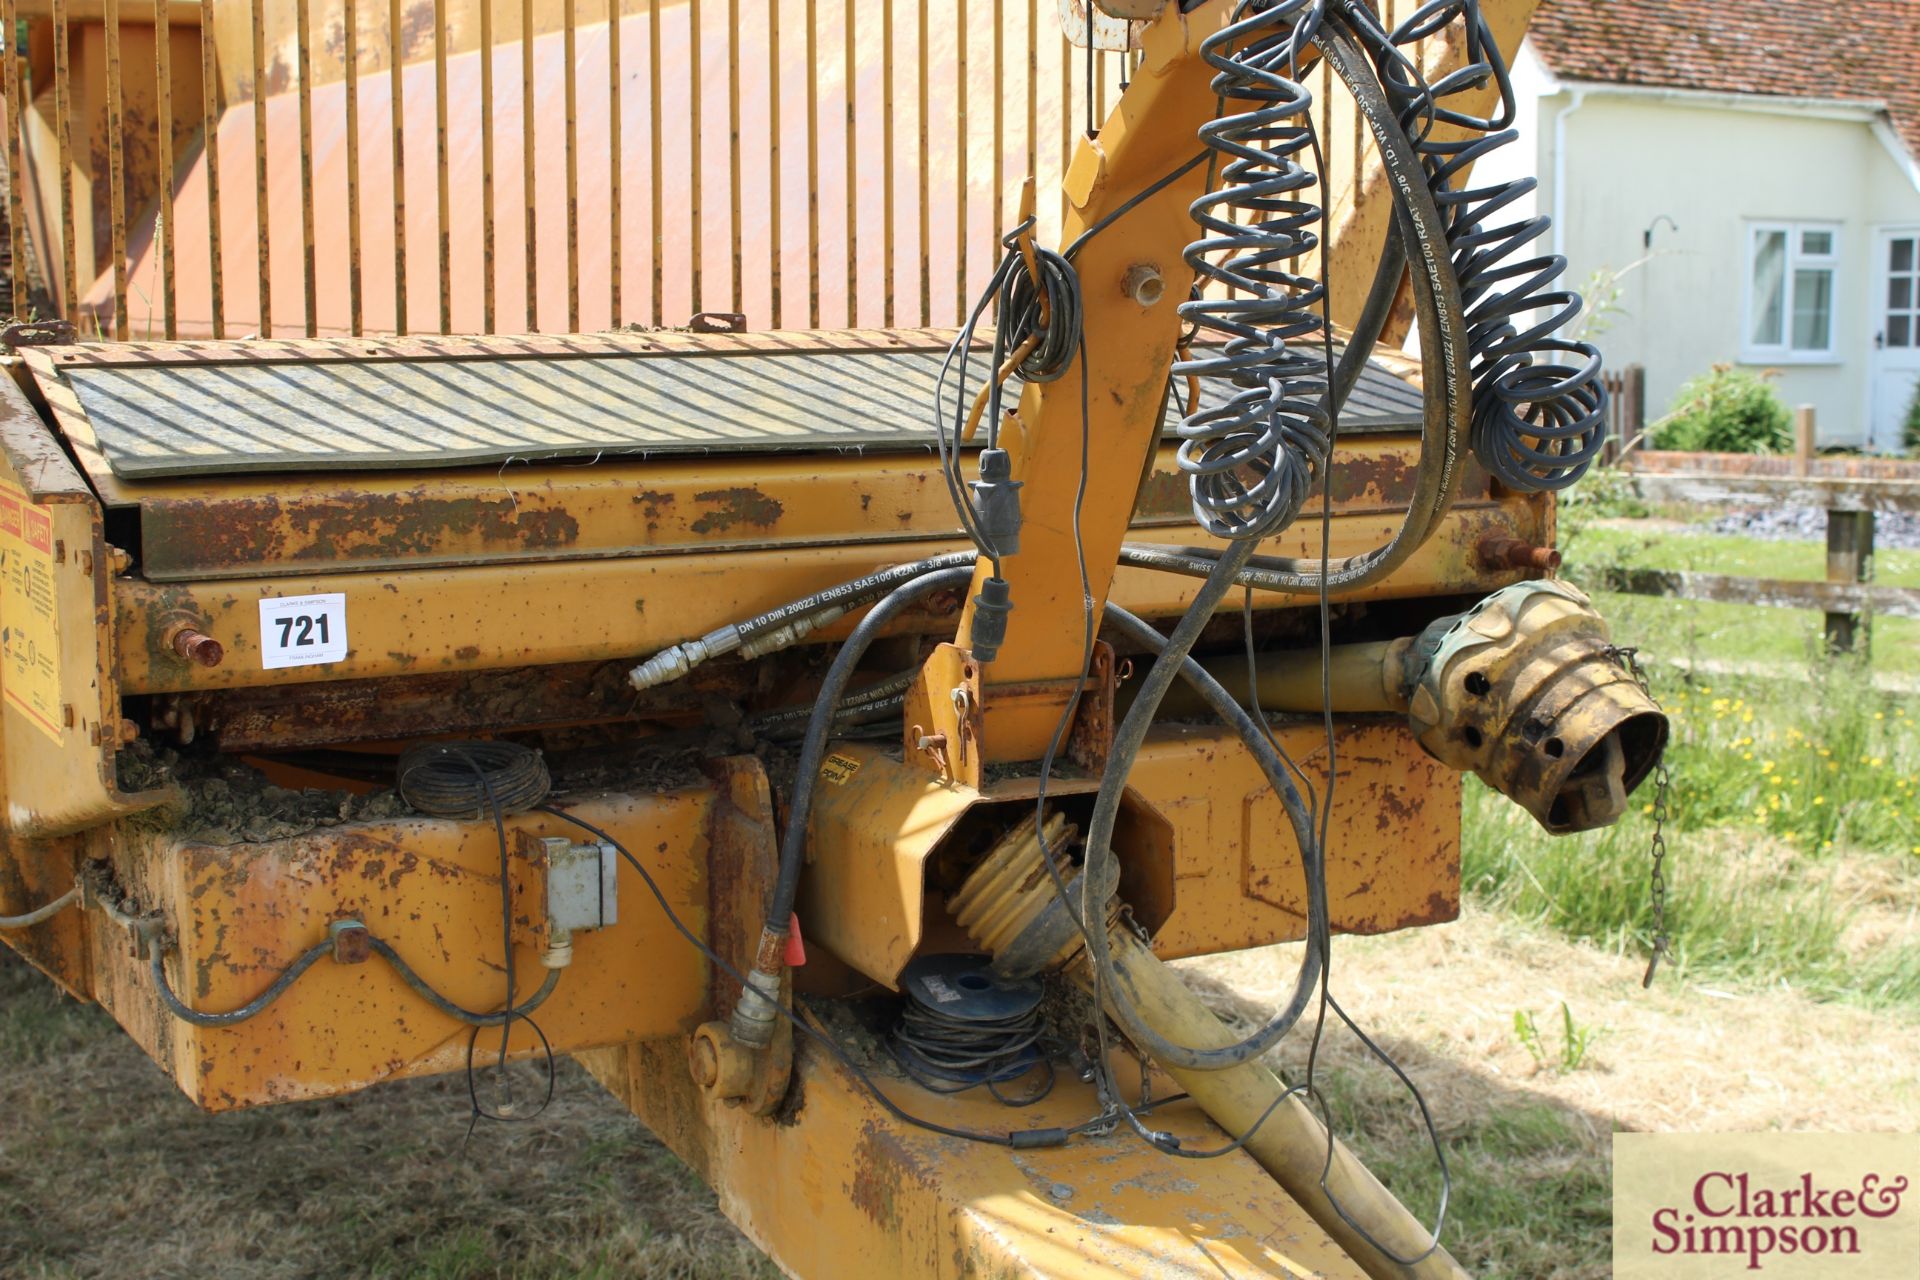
x: 302, y: 631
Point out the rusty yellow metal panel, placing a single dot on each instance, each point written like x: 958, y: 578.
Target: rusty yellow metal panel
x: 842, y: 1188
x: 60, y: 720
x: 244, y: 526
x: 1235, y: 877
x: 442, y: 620
x: 880, y: 819
x: 1393, y: 849
x: 243, y: 912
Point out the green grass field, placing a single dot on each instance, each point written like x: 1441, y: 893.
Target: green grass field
x: 1730, y: 633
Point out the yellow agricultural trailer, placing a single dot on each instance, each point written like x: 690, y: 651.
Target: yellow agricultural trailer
x: 825, y: 735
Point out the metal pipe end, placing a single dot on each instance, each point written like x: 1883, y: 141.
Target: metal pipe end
x: 197, y: 647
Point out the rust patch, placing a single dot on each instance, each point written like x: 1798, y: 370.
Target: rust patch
x: 653, y: 504
x: 737, y: 506
x: 1164, y: 494
x: 879, y: 1164
x: 238, y: 533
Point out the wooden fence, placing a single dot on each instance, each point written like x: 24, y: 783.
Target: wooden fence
x: 1851, y: 491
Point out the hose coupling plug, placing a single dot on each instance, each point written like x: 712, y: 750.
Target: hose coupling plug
x: 671, y: 664
x: 755, y: 1017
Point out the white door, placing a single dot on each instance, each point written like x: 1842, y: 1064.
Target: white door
x: 1895, y: 362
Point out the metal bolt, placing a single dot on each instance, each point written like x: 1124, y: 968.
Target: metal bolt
x: 720, y: 1064
x: 1060, y: 1191
x: 1144, y: 284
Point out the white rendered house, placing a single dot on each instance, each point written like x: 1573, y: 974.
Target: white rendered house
x: 1744, y: 175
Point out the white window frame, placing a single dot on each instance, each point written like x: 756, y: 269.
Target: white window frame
x: 1785, y: 352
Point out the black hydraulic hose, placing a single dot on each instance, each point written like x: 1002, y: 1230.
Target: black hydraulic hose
x: 850, y: 595
x: 1127, y: 739
x: 793, y: 843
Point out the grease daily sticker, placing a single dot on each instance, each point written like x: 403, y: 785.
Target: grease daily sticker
x: 29, y: 621
x: 303, y: 631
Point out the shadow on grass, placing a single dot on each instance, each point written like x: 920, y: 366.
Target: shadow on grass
x: 1531, y: 1194
x: 107, y: 1170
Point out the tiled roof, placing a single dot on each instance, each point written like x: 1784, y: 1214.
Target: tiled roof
x: 1862, y: 50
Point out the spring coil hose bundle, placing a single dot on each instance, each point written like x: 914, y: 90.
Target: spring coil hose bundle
x: 1253, y: 460
x: 1539, y: 403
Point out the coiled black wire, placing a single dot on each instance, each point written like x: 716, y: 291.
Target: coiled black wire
x: 944, y: 1054
x: 1253, y: 460
x: 1539, y: 402
x: 467, y: 780
x: 471, y: 779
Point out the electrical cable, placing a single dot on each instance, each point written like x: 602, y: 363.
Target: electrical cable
x: 466, y: 779
x: 287, y: 977
x: 1022, y: 1139
x: 452, y: 1010
x: 40, y: 913
x: 291, y: 974
x: 945, y: 1054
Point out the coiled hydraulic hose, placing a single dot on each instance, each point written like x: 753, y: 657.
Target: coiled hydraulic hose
x: 1539, y: 417
x: 1440, y: 315
x: 1417, y: 220
x: 1253, y: 460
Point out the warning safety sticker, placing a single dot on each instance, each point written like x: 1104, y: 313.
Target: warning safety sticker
x: 29, y: 621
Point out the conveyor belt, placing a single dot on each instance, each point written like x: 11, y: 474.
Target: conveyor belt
x: 182, y: 418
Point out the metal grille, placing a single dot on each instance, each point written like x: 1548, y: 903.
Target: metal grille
x: 807, y: 163
x: 228, y: 410
x: 360, y: 166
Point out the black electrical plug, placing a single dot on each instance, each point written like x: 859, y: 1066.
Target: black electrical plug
x: 996, y: 499
x: 990, y: 610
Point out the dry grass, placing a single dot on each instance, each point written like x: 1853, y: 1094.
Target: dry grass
x: 106, y: 1171
x: 1530, y: 1145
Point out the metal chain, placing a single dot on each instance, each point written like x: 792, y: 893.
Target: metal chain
x: 1629, y: 658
